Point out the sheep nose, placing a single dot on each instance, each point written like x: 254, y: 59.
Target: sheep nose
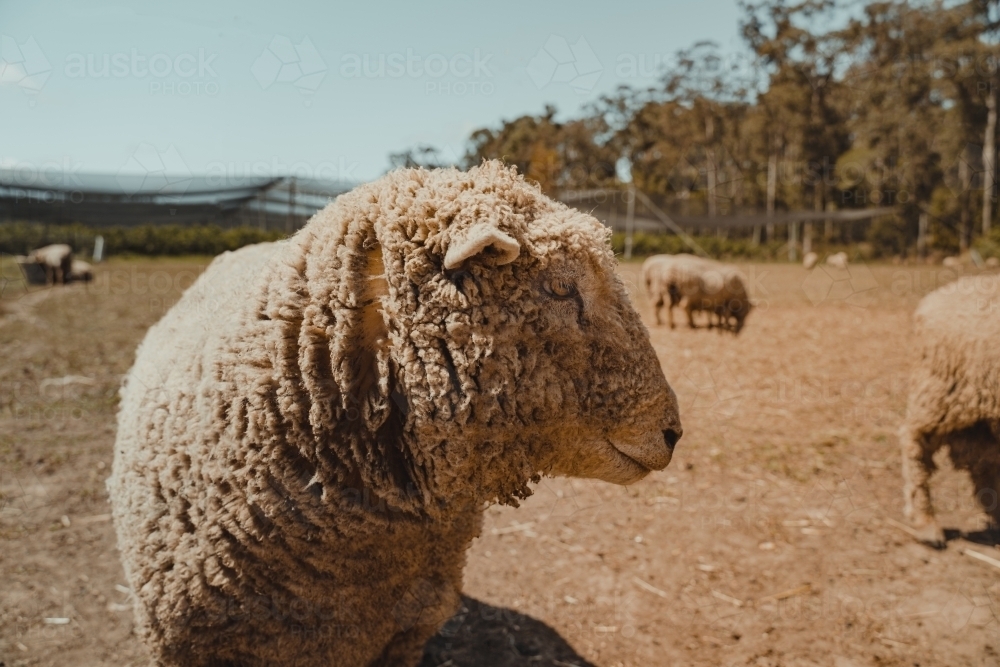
x: 670, y: 436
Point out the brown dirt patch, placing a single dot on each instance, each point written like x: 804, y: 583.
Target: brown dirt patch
x: 768, y: 540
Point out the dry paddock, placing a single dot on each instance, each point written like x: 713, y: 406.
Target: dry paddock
x: 770, y: 540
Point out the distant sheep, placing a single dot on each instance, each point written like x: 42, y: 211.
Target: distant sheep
x: 954, y: 397
x: 308, y: 438
x: 81, y: 271
x: 809, y: 260
x: 837, y: 260
x: 56, y: 260
x: 698, y: 284
x: 951, y: 262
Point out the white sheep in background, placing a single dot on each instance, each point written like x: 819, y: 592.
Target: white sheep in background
x: 56, y: 260
x: 81, y: 271
x: 308, y: 438
x: 698, y: 284
x: 837, y: 260
x: 952, y: 262
x: 809, y: 260
x: 954, y: 397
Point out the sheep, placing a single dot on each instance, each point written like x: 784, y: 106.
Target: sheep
x: 308, y: 438
x: 702, y: 284
x: 952, y: 262
x: 954, y: 397
x: 56, y: 259
x: 809, y: 260
x: 81, y: 271
x: 837, y: 260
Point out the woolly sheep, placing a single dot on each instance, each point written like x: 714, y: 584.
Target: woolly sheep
x: 56, y: 259
x: 954, y: 397
x: 81, y: 271
x: 952, y: 262
x: 809, y: 260
x: 837, y: 260
x: 308, y: 438
x: 702, y: 284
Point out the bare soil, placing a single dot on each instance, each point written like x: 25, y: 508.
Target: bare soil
x: 771, y: 539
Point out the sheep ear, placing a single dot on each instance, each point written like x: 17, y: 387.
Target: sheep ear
x: 476, y: 240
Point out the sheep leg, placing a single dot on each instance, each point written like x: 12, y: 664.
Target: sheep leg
x: 977, y: 450
x: 656, y: 309
x: 918, y: 465
x: 690, y: 313
x: 675, y: 298
x: 987, y: 482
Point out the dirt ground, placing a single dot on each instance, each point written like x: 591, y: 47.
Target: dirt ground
x: 770, y: 540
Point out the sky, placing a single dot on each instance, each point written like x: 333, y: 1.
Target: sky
x: 324, y: 90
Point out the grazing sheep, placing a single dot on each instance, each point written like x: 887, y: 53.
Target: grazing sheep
x: 56, y: 259
x: 308, y: 438
x: 809, y: 260
x: 81, y: 271
x: 954, y: 397
x: 952, y: 262
x: 992, y: 262
x: 702, y: 284
x: 837, y: 260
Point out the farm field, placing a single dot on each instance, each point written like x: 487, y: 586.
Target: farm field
x: 770, y: 540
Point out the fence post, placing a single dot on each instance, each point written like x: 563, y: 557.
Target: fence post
x: 629, y: 221
x: 793, y: 241
x: 291, y: 205
x: 922, y: 235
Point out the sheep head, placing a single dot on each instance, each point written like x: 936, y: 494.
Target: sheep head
x: 499, y: 342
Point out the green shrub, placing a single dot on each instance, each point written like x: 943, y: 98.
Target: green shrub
x: 988, y: 246
x: 19, y: 238
x: 645, y: 244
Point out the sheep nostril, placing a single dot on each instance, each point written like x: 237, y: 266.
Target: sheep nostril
x: 670, y: 436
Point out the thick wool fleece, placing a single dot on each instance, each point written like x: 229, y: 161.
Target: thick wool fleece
x: 702, y: 284
x: 954, y: 396
x: 56, y: 259
x: 308, y: 438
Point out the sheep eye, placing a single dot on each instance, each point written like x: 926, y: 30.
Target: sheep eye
x: 559, y: 288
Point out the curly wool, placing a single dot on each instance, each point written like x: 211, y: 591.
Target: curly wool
x: 954, y: 395
x: 308, y: 438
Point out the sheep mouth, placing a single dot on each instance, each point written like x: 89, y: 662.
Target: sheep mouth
x: 644, y: 456
x: 627, y: 469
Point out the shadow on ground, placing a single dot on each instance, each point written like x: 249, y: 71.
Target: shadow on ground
x: 481, y: 635
x: 989, y: 537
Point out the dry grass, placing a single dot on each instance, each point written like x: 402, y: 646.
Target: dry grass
x: 768, y: 541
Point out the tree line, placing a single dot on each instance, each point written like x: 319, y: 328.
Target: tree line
x: 832, y: 106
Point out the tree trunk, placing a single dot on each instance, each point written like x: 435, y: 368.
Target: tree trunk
x: 964, y: 178
x: 772, y: 186
x: 989, y: 158
x: 922, y: 235
x: 711, y: 167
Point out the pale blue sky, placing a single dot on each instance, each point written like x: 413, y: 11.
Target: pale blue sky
x: 230, y: 92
